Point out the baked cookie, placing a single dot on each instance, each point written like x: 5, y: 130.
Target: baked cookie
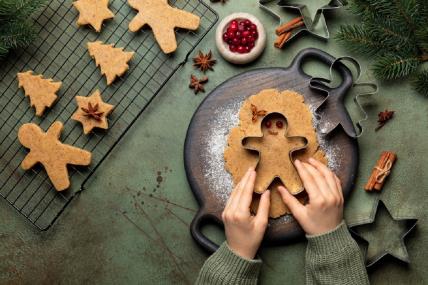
x: 93, y: 12
x: 47, y: 149
x: 42, y: 92
x: 163, y: 19
x: 112, y: 61
x: 92, y: 112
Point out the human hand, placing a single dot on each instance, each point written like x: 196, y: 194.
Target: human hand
x: 245, y: 232
x: 324, y: 212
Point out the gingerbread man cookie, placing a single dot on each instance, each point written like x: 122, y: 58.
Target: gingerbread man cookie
x: 47, y: 149
x: 42, y: 92
x: 93, y: 12
x: 275, y: 148
x: 92, y: 112
x: 163, y: 19
x: 112, y: 61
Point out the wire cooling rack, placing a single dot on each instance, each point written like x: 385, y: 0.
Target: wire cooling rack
x: 60, y: 53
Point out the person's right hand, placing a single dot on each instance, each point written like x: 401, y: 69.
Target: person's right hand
x: 324, y: 212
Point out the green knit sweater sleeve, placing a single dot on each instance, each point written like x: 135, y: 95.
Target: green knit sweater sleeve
x: 334, y: 258
x: 225, y: 267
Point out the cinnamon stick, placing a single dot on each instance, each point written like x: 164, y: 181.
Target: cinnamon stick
x: 381, y: 170
x: 288, y: 26
x: 281, y: 40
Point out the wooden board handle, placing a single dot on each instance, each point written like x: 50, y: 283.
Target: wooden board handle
x: 200, y: 220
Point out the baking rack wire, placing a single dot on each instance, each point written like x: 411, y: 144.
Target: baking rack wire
x: 60, y: 53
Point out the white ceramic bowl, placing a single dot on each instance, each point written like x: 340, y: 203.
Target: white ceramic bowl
x: 223, y: 47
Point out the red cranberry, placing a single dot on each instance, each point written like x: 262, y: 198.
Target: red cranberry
x: 279, y: 124
x: 246, y: 33
x: 225, y: 38
x: 247, y: 23
x: 235, y: 41
x: 255, y: 34
x: 268, y: 124
x: 244, y: 41
x: 232, y: 48
x: 240, y: 49
x: 247, y: 49
x: 253, y: 27
x: 238, y: 34
x: 250, y: 39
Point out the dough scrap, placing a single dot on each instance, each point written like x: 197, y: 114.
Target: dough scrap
x: 299, y: 119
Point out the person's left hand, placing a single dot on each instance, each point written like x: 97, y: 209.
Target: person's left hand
x: 245, y: 232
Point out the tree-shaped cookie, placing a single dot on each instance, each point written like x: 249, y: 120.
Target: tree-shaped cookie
x: 112, y: 61
x: 93, y: 12
x: 274, y: 149
x: 92, y: 112
x: 42, y: 92
x: 163, y: 19
x: 47, y: 149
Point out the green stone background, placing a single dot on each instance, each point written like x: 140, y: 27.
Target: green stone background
x: 125, y: 230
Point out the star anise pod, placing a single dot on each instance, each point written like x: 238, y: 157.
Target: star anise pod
x: 257, y: 113
x: 204, y: 61
x: 92, y: 111
x: 197, y: 84
x: 384, y: 117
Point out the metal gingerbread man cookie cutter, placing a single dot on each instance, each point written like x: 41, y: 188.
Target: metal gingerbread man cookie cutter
x: 335, y: 102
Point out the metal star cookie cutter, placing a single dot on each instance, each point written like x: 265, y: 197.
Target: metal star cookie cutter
x: 315, y: 25
x: 400, y: 252
x: 332, y: 106
x: 290, y: 154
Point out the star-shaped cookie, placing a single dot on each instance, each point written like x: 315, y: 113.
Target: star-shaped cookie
x: 93, y: 12
x: 92, y: 112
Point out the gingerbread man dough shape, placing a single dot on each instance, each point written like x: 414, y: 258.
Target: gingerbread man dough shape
x: 47, y: 149
x: 275, y: 149
x: 163, y: 19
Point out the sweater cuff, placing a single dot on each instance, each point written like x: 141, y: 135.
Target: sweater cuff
x: 233, y: 264
x: 329, y: 242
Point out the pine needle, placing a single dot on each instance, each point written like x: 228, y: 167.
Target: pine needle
x: 420, y: 83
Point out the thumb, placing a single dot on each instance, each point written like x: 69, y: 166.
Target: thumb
x: 264, y: 205
x: 292, y: 203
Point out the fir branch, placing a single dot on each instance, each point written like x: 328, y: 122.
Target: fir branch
x: 420, y: 83
x: 16, y: 34
x: 19, y: 9
x: 395, y: 32
x: 357, y: 39
x: 394, y: 66
x: 16, y: 26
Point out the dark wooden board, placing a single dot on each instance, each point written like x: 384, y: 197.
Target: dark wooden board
x: 236, y: 90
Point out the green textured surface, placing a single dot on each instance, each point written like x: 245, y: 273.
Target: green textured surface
x: 131, y: 226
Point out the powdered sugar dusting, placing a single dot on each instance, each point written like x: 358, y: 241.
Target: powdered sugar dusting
x: 219, y: 180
